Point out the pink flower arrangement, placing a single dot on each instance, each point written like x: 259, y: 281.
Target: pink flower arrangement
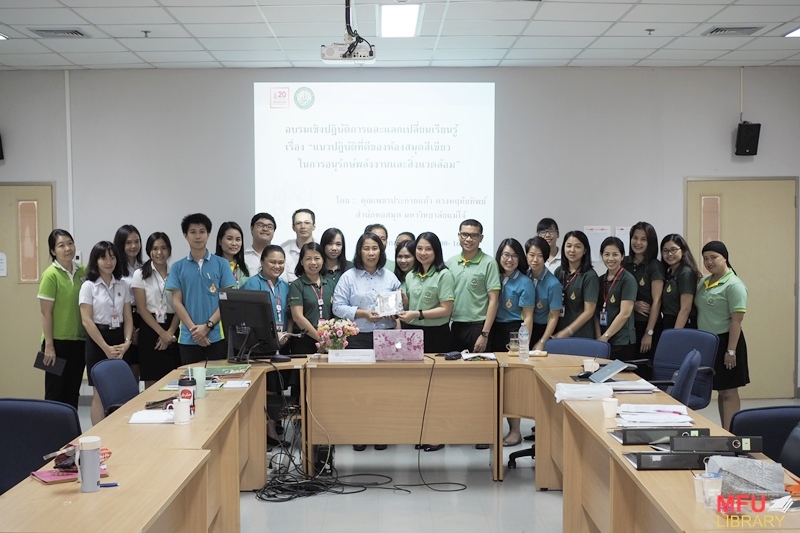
x: 333, y: 334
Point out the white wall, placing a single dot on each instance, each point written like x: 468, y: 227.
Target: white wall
x: 585, y: 146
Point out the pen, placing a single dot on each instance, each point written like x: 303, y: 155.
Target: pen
x: 671, y: 412
x: 107, y: 485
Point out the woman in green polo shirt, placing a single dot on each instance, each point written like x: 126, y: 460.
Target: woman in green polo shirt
x: 613, y: 320
x: 721, y: 302
x: 648, y: 271
x: 309, y: 298
x: 682, y: 275
x: 580, y: 287
x: 430, y: 291
x: 334, y: 252
x: 63, y: 334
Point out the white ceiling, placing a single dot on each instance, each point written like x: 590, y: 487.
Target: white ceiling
x: 452, y: 33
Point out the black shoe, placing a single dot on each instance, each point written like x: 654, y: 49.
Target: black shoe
x: 433, y: 447
x: 482, y: 446
x: 359, y: 447
x: 381, y: 446
x: 420, y: 446
x: 530, y: 437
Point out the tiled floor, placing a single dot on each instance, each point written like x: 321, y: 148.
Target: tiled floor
x: 484, y: 506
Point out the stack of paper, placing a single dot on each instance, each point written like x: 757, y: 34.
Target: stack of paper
x: 639, y: 386
x: 152, y: 416
x: 575, y: 391
x: 651, y: 415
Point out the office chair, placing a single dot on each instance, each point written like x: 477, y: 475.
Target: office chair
x: 114, y: 382
x: 773, y: 424
x: 579, y: 346
x: 570, y: 346
x: 790, y: 455
x: 31, y: 429
x: 684, y: 377
x: 670, y: 352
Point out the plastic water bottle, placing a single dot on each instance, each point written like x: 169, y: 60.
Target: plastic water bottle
x: 524, y: 342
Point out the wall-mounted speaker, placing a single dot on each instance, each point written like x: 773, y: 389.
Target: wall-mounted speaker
x: 747, y: 138
x: 1, y: 149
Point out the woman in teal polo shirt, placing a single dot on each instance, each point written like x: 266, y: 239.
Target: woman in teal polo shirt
x: 62, y: 332
x: 682, y: 275
x: 580, y: 288
x: 721, y: 302
x: 613, y: 320
x: 548, y: 305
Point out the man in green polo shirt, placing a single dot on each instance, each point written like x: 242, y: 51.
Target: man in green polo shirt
x: 476, y: 292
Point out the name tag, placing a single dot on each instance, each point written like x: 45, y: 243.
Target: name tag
x: 604, y: 318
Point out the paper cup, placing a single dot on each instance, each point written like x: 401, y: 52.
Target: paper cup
x: 610, y: 407
x: 181, y: 411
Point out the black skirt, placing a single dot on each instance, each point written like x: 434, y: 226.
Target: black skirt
x: 738, y: 376
x: 155, y: 364
x: 94, y: 353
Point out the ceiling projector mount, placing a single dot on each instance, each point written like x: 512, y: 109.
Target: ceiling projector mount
x: 354, y: 50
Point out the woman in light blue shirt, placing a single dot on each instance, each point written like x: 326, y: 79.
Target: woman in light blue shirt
x: 354, y: 296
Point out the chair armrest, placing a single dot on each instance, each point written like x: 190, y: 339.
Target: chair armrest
x: 660, y: 382
x: 707, y: 369
x: 645, y: 362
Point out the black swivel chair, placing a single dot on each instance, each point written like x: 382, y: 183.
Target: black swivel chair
x: 31, y: 429
x: 790, y: 455
x: 772, y: 424
x: 683, y: 379
x: 570, y: 346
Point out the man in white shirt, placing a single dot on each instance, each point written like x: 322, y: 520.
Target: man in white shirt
x: 262, y: 228
x: 547, y: 228
x: 303, y: 224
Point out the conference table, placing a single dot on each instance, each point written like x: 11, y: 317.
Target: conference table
x: 432, y: 401
x: 160, y: 491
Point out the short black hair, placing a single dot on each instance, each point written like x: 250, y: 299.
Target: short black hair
x: 471, y: 222
x: 408, y: 234
x: 515, y: 245
x: 53, y: 237
x: 545, y: 224
x: 121, y: 237
x: 358, y: 262
x: 100, y: 250
x: 272, y: 248
x: 195, y: 218
x: 304, y: 210
x: 612, y: 241
x: 308, y: 247
x: 371, y: 227
x: 539, y: 243
x: 259, y: 216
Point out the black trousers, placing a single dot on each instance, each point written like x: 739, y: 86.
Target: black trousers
x: 192, y: 353
x: 464, y: 335
x: 66, y: 388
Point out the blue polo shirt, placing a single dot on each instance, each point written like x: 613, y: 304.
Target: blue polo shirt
x: 517, y: 292
x: 279, y: 296
x: 548, y: 295
x: 199, y: 285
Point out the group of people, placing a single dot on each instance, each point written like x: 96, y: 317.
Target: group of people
x: 158, y: 316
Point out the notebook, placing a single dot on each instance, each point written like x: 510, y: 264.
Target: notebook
x: 398, y: 344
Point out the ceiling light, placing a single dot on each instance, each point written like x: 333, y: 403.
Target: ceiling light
x: 3, y: 37
x: 399, y: 21
x: 795, y: 33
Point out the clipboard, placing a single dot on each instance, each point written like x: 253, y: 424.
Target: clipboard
x: 56, y: 369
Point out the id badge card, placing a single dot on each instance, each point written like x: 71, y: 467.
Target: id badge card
x: 115, y: 321
x: 604, y: 318
x: 161, y: 316
x: 562, y: 313
x: 279, y: 328
x: 320, y: 303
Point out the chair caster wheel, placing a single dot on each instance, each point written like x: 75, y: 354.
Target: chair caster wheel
x: 512, y: 463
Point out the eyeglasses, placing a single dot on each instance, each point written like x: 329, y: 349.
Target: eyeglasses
x: 547, y: 232
x: 671, y: 251
x: 507, y: 256
x: 261, y: 225
x: 473, y: 236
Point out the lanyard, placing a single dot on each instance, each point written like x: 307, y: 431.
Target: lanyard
x: 110, y: 291
x: 319, y: 297
x: 607, y: 290
x: 566, y: 286
x: 277, y: 298
x: 162, y: 289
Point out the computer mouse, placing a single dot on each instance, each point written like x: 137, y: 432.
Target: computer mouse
x: 585, y: 374
x: 452, y: 356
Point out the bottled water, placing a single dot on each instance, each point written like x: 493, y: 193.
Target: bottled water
x: 524, y: 342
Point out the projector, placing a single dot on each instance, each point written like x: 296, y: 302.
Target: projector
x: 336, y: 54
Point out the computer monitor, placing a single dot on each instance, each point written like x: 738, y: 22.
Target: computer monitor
x: 249, y: 324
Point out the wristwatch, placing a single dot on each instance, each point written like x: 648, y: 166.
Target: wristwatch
x: 421, y: 316
x: 606, y: 335
x: 731, y: 352
x: 485, y: 334
x: 650, y: 332
x: 210, y: 325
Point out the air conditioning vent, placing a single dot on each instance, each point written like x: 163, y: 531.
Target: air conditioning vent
x: 61, y: 33
x: 734, y: 31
